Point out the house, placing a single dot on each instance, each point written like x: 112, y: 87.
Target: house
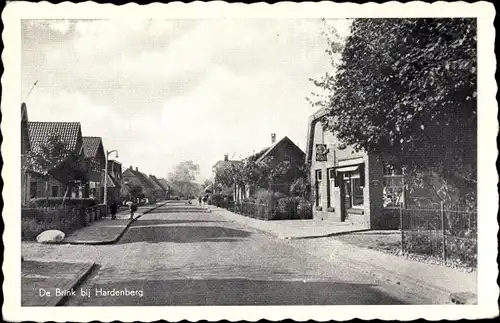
x: 161, y: 191
x: 219, y: 188
x: 164, y: 184
x: 133, y: 177
x: 114, y: 180
x: 95, y: 159
x: 279, y: 151
x: 347, y: 185
x: 55, y: 184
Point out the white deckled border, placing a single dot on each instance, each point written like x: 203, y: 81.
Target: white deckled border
x: 487, y: 174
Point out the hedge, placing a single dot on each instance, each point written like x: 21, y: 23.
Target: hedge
x: 58, y: 201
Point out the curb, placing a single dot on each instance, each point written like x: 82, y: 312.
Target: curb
x: 117, y: 237
x: 77, y: 282
x: 281, y: 237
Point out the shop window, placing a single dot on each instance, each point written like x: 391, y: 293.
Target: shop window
x: 353, y: 187
x: 55, y: 191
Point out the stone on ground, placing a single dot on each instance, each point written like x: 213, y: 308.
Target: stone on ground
x: 50, y: 236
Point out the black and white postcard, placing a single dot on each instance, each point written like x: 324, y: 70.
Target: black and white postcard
x: 210, y: 161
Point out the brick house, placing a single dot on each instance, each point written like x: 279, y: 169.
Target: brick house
x: 133, y: 177
x: 95, y: 159
x: 160, y: 190
x: 114, y: 180
x: 347, y: 186
x: 33, y: 136
x: 164, y: 184
x: 281, y: 150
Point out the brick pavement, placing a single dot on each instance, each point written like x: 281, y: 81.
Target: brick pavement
x: 107, y: 231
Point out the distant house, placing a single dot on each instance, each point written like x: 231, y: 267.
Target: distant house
x: 133, y: 177
x: 279, y: 151
x: 219, y: 188
x: 36, y: 134
x: 161, y: 191
x: 347, y: 185
x: 164, y: 184
x: 95, y: 159
x: 114, y: 180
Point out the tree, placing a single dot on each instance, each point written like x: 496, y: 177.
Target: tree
x: 406, y: 89
x: 182, y: 178
x: 207, y: 183
x: 51, y: 156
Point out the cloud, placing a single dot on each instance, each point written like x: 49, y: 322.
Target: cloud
x: 166, y: 90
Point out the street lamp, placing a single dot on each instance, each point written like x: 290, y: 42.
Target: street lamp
x: 105, y: 202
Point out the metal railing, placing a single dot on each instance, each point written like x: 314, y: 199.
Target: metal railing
x: 444, y: 233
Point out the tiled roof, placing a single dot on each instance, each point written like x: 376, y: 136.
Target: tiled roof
x: 267, y: 151
x: 112, y: 182
x: 91, y: 145
x: 40, y: 131
x: 163, y: 182
x: 156, y: 182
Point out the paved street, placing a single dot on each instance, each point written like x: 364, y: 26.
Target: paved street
x: 182, y: 255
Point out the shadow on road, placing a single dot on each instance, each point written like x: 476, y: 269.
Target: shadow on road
x: 179, y: 209
x: 160, y: 231
x: 240, y: 292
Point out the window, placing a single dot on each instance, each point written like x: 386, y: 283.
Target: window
x: 318, y: 188
x: 394, y: 187
x: 331, y: 187
x: 353, y: 187
x: 55, y: 191
x: 33, y: 189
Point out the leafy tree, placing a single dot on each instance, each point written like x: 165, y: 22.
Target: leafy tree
x: 207, y: 183
x: 406, y: 89
x: 182, y: 179
x: 51, y: 156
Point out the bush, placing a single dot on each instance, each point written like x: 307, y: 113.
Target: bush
x: 58, y: 201
x: 218, y: 200
x: 36, y: 220
x: 263, y: 197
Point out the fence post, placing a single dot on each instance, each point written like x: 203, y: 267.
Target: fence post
x: 401, y: 227
x: 443, y: 231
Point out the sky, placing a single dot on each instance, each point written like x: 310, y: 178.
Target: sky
x: 165, y: 91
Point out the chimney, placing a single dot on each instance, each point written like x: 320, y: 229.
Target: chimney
x: 226, y: 157
x: 136, y: 169
x: 273, y: 138
x: 131, y: 168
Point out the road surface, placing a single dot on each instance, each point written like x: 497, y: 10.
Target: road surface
x: 183, y: 255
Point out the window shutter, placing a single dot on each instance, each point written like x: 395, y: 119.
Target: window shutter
x: 337, y: 178
x: 362, y: 175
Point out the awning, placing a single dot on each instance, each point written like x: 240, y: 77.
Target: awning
x: 348, y: 169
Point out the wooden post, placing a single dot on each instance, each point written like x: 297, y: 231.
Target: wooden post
x: 443, y: 231
x: 401, y: 227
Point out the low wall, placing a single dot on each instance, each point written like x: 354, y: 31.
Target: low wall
x: 36, y: 220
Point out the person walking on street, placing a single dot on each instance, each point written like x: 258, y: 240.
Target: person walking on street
x: 132, y: 208
x: 113, y: 208
x: 199, y: 199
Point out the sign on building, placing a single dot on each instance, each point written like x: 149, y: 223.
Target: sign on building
x: 321, y: 152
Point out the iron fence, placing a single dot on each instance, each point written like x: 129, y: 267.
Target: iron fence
x: 253, y: 210
x: 445, y: 233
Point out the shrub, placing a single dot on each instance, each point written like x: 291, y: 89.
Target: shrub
x: 263, y: 197
x: 217, y: 200
x: 304, y: 209
x: 36, y: 220
x: 58, y: 201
